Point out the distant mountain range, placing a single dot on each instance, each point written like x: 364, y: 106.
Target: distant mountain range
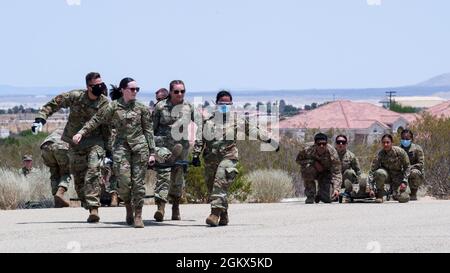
x: 436, y: 85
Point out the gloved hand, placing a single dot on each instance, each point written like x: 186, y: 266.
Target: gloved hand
x: 196, y: 161
x: 37, y: 125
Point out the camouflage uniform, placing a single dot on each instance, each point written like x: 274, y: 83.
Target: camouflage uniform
x: 54, y: 153
x: 392, y: 168
x: 26, y: 172
x: 351, y: 172
x: 133, y: 146
x: 85, y: 158
x: 170, y: 181
x: 218, y: 142
x: 328, y: 180
x: 416, y: 159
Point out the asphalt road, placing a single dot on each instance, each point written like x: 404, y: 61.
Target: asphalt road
x: 422, y: 226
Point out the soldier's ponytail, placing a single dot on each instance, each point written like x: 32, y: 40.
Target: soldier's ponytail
x: 116, y: 92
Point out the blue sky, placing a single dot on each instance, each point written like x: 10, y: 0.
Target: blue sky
x: 235, y: 44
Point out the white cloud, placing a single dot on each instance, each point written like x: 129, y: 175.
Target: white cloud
x: 73, y: 2
x: 373, y: 2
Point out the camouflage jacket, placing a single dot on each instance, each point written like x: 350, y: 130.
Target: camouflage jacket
x: 395, y: 161
x: 219, y: 136
x: 167, y: 116
x: 55, y: 140
x: 349, y: 161
x: 330, y: 161
x: 25, y: 172
x: 82, y: 109
x: 416, y: 157
x: 131, y: 122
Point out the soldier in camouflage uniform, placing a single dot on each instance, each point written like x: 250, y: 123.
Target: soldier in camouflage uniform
x: 85, y: 158
x: 134, y: 146
x: 27, y: 168
x: 218, y: 144
x: 171, y: 118
x: 351, y: 172
x: 320, y: 161
x: 391, y: 166
x: 416, y: 161
x: 54, y: 153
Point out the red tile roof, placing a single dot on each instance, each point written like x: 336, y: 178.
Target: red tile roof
x: 442, y: 109
x: 345, y: 114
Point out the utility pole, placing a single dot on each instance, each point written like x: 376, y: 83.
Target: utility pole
x: 390, y: 94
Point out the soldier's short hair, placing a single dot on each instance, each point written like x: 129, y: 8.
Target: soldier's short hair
x: 320, y: 136
x: 407, y: 131
x: 92, y: 76
x: 342, y: 136
x: 223, y: 93
x: 174, y: 82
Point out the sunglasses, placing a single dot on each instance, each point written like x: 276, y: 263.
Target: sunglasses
x: 134, y: 89
x: 176, y: 92
x: 341, y: 142
x: 224, y: 103
x: 321, y: 144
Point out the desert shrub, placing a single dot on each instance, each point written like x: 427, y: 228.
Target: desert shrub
x: 270, y: 186
x: 18, y: 191
x: 252, y: 159
x: 432, y: 133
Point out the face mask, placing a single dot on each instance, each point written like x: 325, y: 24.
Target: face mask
x: 98, y: 89
x: 223, y: 109
x: 405, y: 143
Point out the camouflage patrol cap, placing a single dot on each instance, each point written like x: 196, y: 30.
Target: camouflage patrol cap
x: 27, y: 158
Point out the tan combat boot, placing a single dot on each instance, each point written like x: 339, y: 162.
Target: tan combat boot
x: 114, y: 199
x: 129, y: 218
x: 138, y: 223
x: 223, y: 218
x: 176, y: 209
x: 213, y: 218
x: 60, y: 202
x: 93, y: 215
x: 159, y: 214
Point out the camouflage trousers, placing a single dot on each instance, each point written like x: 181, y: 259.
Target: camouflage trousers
x: 57, y: 160
x: 415, y: 179
x: 170, y: 181
x: 382, y: 177
x: 323, y: 190
x: 349, y: 178
x: 85, y: 168
x: 130, y: 168
x: 219, y: 176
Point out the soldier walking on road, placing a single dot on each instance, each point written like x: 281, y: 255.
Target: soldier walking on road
x: 85, y: 158
x: 134, y: 146
x: 171, y: 116
x: 217, y: 141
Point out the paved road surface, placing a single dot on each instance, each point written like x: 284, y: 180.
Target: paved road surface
x: 422, y: 226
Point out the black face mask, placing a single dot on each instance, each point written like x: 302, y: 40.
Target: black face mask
x: 98, y: 89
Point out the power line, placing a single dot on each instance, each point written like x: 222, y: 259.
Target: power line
x: 390, y: 94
